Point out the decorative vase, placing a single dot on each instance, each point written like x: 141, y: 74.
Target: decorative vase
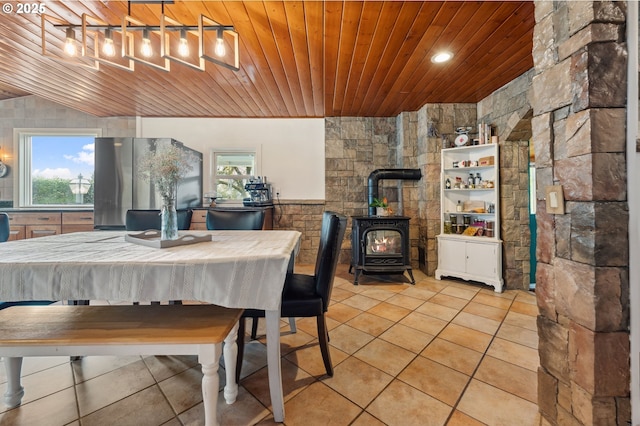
x: 169, y: 222
x: 382, y: 211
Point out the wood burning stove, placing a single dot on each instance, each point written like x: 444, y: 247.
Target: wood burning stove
x: 380, y: 245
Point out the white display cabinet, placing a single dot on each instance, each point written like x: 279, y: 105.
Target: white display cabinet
x: 471, y: 247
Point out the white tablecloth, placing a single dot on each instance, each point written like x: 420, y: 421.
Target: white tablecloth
x: 237, y: 269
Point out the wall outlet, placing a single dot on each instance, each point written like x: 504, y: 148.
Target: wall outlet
x: 277, y: 192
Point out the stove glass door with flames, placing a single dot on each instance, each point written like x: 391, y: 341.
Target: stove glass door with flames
x: 386, y: 242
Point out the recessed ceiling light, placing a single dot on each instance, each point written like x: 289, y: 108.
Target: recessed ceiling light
x: 441, y: 57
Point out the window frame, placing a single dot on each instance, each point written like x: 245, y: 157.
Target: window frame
x: 22, y: 188
x: 214, y: 176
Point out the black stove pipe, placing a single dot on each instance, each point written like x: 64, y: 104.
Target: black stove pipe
x: 378, y: 174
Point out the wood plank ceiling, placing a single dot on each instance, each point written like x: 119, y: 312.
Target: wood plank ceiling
x: 297, y: 58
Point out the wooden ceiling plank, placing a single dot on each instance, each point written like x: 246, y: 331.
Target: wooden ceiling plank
x: 314, y: 21
x: 331, y: 40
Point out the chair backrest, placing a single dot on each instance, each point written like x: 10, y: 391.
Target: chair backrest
x: 334, y: 226
x: 4, y: 227
x: 141, y: 220
x: 235, y: 219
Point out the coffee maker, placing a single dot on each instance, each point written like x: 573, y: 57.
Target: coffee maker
x: 259, y: 192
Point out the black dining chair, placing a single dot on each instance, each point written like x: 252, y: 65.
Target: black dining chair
x: 308, y: 295
x: 142, y: 220
x: 5, y: 228
x: 235, y: 219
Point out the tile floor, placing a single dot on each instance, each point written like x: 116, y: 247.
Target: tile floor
x: 437, y: 353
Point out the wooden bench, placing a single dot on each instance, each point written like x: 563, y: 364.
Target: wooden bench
x: 123, y: 330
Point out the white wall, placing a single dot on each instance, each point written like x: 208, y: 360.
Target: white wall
x: 292, y: 150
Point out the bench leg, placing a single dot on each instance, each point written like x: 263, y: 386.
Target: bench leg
x: 230, y: 353
x: 209, y: 358
x: 15, y: 392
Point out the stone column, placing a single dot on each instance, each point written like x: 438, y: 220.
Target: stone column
x: 579, y: 99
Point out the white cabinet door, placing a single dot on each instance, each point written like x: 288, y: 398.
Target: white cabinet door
x: 481, y: 259
x: 452, y: 255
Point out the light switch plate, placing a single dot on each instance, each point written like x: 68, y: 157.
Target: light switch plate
x: 555, y: 199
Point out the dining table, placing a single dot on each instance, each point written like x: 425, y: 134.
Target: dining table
x: 235, y: 269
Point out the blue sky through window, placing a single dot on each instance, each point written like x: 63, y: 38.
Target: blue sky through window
x: 62, y: 156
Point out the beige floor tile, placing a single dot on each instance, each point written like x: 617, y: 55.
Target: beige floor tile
x: 477, y: 322
x: 450, y: 301
x: 506, y: 294
x: 405, y: 301
x: 338, y: 294
x: 310, y: 359
x: 184, y: 390
x: 437, y: 311
x: 431, y: 284
x: 521, y: 320
x: 509, y: 377
x: 458, y: 418
x: 527, y: 297
x: 53, y: 410
x: 342, y: 313
x: 254, y: 358
x: 424, y: 323
x: 148, y: 404
x: 458, y: 357
x: 43, y: 383
x: 403, y: 405
x: 389, y: 311
x: 495, y: 407
x: 108, y: 388
x: 349, y: 339
x: 524, y: 307
x: 407, y: 337
x: 359, y: 301
x: 385, y: 356
x: 35, y: 364
x: 466, y: 337
x: 419, y: 292
x: 358, y: 381
x: 493, y: 299
x: 89, y: 367
x: 366, y: 419
x: 508, y: 351
x: 370, y: 324
x: 380, y: 294
x: 486, y: 311
x: 519, y: 335
x: 310, y: 325
x: 291, y: 341
x: 322, y: 404
x: 460, y: 291
x: 439, y: 381
x: 163, y: 367
x: 294, y: 380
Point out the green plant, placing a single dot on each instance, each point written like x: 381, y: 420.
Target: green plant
x: 379, y: 203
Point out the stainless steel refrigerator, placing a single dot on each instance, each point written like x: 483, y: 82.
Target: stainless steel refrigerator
x: 118, y: 188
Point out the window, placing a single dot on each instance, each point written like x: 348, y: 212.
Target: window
x: 232, y: 170
x: 55, y: 166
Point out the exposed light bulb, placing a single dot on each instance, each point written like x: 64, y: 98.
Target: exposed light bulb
x: 146, y: 49
x: 220, y: 50
x: 441, y: 57
x: 183, y: 47
x: 70, y: 44
x: 107, y: 48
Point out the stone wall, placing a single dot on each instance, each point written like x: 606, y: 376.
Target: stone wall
x: 508, y: 109
x: 34, y: 112
x: 304, y: 216
x: 579, y: 100
x: 356, y: 146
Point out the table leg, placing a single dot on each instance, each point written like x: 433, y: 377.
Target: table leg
x: 230, y: 354
x: 273, y: 364
x: 209, y: 358
x: 15, y: 392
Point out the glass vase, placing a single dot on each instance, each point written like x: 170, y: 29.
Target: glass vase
x: 169, y: 223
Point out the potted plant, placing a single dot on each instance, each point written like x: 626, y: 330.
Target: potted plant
x: 382, y: 206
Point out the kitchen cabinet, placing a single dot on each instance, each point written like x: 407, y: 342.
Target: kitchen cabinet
x: 469, y: 244
x: 199, y: 218
x: 40, y: 224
